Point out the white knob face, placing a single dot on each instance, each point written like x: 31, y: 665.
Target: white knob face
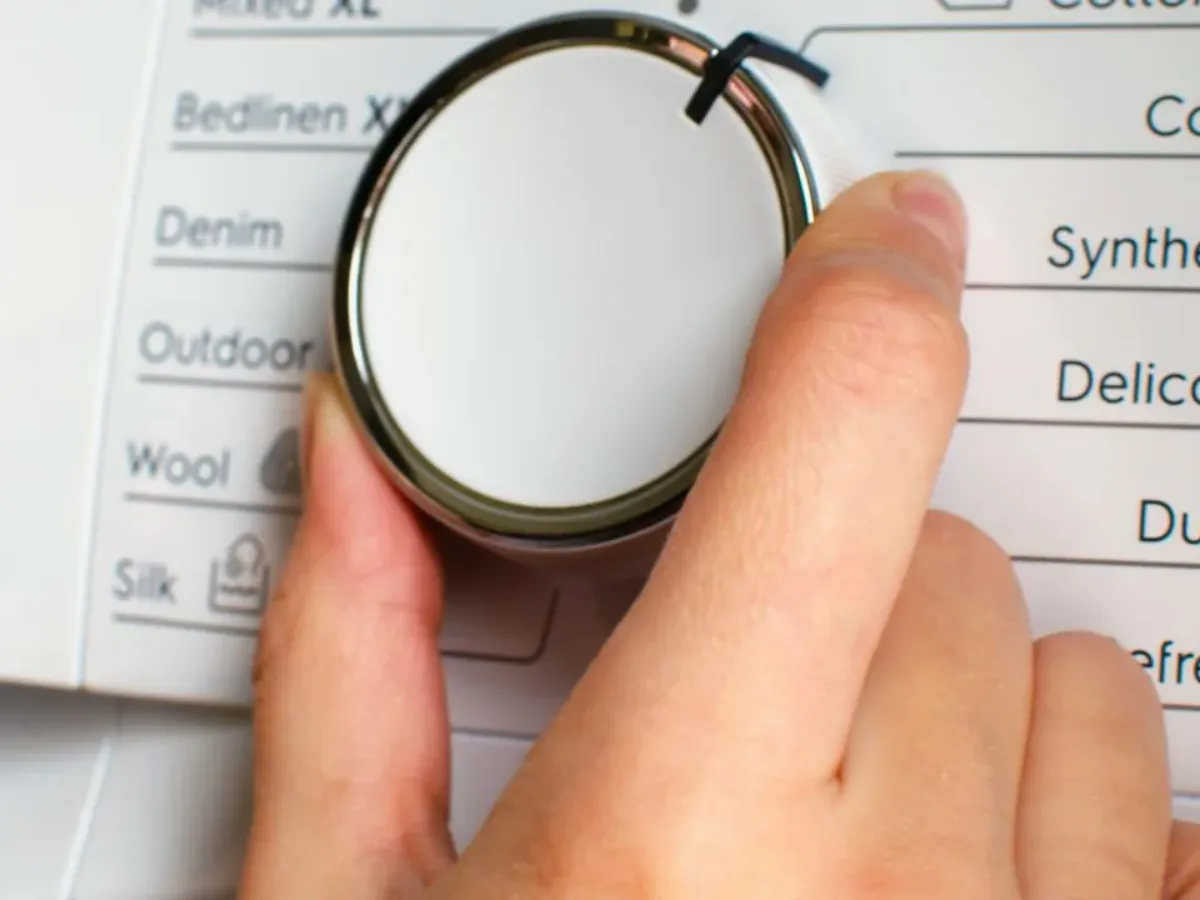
x: 564, y: 274
x: 559, y: 274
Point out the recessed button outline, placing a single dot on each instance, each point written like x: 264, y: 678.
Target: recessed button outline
x: 975, y: 5
x: 252, y: 632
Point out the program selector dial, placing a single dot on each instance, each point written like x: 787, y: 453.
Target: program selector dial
x: 552, y: 268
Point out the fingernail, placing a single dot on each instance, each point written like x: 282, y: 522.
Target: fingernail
x: 324, y: 420
x: 930, y: 200
x: 312, y: 387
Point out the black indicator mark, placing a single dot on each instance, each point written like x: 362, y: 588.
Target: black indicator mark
x: 720, y: 69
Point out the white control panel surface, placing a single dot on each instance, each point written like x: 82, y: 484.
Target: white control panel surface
x: 170, y: 207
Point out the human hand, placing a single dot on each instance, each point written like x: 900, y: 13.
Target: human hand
x: 824, y: 691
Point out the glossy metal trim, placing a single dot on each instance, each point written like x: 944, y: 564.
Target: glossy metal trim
x: 520, y: 529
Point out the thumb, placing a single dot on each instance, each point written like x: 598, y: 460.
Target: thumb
x: 351, y: 768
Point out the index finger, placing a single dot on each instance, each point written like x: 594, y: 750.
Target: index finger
x: 759, y: 624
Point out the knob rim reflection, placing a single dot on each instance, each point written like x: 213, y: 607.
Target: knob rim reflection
x: 510, y: 528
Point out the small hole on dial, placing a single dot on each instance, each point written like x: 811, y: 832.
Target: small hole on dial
x: 687, y: 7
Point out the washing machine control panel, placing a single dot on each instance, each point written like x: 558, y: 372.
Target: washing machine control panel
x: 1072, y: 128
